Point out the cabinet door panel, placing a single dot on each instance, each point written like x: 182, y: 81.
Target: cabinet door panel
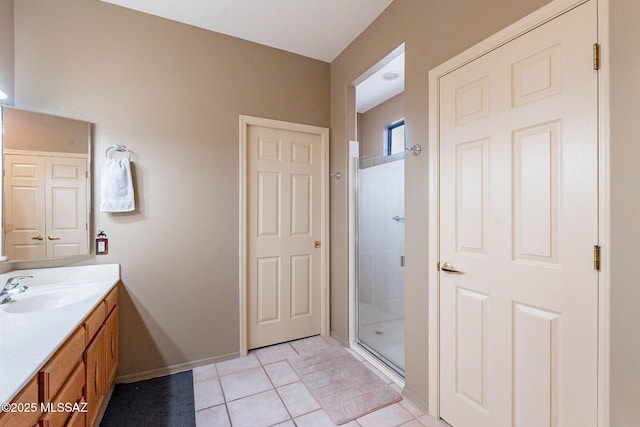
x: 94, y: 361
x: 71, y: 393
x: 112, y: 348
x: 77, y: 419
x: 28, y: 395
x: 59, y: 368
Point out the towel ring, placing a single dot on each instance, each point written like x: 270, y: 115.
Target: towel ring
x: 119, y: 149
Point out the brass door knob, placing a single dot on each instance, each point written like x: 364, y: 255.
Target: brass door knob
x: 37, y: 238
x: 449, y: 268
x: 50, y: 237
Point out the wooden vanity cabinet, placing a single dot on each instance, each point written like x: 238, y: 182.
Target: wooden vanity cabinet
x: 71, y: 393
x: 27, y: 396
x: 101, y: 356
x: 95, y: 391
x: 61, y: 366
x: 80, y: 372
x: 112, y: 350
x: 77, y: 419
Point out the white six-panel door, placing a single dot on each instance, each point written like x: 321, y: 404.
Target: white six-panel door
x: 284, y: 235
x: 45, y: 206
x: 66, y: 219
x: 519, y: 221
x: 24, y: 207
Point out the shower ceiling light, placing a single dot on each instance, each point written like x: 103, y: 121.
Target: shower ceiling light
x: 391, y: 75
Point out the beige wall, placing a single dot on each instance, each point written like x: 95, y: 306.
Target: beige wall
x: 625, y: 213
x: 26, y: 130
x: 172, y: 93
x: 433, y: 31
x: 6, y: 50
x: 372, y: 124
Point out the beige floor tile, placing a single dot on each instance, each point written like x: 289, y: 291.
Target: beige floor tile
x: 320, y: 419
x: 309, y: 345
x: 389, y: 416
x: 314, y: 419
x: 207, y: 393
x: 413, y: 423
x: 206, y: 372
x: 355, y: 354
x: 275, y: 353
x: 260, y: 410
x: 298, y: 399
x: 236, y: 365
x: 429, y: 421
x: 332, y: 341
x: 414, y: 409
x: 281, y: 373
x: 215, y: 416
x: 245, y: 383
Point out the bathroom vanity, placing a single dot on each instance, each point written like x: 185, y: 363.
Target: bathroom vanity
x: 59, y: 346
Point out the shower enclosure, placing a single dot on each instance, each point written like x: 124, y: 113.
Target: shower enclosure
x: 380, y: 258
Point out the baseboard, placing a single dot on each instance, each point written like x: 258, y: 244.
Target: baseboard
x: 105, y: 403
x: 174, y: 369
x: 415, y: 399
x: 342, y: 342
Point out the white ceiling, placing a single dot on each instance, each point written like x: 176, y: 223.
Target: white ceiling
x: 319, y: 29
x: 375, y: 90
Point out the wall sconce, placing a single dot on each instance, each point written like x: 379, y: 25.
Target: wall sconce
x: 3, y: 95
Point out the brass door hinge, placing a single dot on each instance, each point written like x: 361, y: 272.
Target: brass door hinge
x: 596, y: 56
x: 596, y: 257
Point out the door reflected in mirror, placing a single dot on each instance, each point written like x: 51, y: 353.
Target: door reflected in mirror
x: 46, y: 186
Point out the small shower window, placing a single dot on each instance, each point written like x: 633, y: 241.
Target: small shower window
x: 395, y: 138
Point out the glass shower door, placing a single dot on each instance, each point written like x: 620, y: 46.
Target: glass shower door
x: 380, y: 258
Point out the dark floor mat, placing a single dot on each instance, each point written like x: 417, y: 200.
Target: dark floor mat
x: 164, y: 401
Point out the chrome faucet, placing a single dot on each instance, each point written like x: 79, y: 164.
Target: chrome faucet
x: 11, y: 288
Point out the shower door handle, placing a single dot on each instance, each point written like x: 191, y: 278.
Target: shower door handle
x: 449, y: 268
x: 401, y: 260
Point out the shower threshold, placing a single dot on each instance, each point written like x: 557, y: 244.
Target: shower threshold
x: 379, y: 361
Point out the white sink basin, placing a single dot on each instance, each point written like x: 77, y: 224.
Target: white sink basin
x: 47, y: 313
x: 48, y: 297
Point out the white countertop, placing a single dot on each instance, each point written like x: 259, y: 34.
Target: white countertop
x: 29, y: 339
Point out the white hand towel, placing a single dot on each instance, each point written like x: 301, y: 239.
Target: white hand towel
x: 116, y: 186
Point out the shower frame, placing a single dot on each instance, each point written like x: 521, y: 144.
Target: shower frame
x: 364, y: 350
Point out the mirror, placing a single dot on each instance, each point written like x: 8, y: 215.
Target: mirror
x: 46, y: 187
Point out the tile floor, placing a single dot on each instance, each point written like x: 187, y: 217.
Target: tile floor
x: 262, y: 389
